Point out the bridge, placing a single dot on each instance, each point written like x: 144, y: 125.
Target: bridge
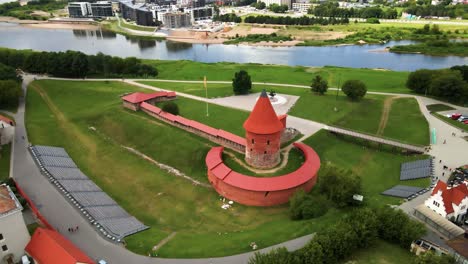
x: 379, y: 140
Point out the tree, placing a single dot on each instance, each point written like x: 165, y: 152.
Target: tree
x: 396, y: 227
x: 365, y: 224
x: 450, y: 85
x: 241, y: 83
x: 307, y: 206
x: 463, y: 69
x: 354, y: 89
x: 171, y: 107
x: 8, y: 73
x: 419, y: 81
x: 10, y: 91
x: 312, y: 253
x: 319, y: 85
x: 339, y: 185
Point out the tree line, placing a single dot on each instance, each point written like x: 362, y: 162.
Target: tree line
x: 287, y: 20
x: 14, y: 9
x: 75, y: 64
x: 332, y: 9
x: 449, y: 84
x: 228, y: 18
x: 438, y: 10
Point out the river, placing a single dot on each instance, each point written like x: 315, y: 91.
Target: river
x: 94, y: 41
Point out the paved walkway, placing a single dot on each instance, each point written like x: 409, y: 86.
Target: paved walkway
x: 62, y: 215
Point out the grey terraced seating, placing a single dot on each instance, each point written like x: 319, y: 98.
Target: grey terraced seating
x: 100, y: 209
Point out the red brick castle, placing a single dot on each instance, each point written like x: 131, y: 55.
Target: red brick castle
x: 263, y: 131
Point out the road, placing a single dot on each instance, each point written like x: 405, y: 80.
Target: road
x: 62, y: 215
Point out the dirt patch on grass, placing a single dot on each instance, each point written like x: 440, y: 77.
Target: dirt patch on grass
x: 387, y: 106
x: 314, y: 35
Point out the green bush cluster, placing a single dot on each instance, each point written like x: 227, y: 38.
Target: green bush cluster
x: 307, y: 206
x: 171, y: 107
x: 356, y: 230
x: 228, y: 18
x: 255, y: 38
x: 287, y: 20
x: 74, y: 64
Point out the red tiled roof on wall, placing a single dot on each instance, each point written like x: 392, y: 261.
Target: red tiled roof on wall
x: 50, y: 247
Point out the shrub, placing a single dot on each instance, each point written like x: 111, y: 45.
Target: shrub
x: 339, y: 185
x: 171, y: 107
x: 373, y: 20
x: 241, y: 84
x: 319, y: 85
x: 354, y: 89
x: 307, y: 206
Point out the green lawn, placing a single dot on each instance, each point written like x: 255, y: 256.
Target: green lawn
x: 218, y: 115
x: 381, y: 252
x: 5, y: 151
x: 167, y: 203
x: 407, y: 123
x: 439, y: 107
x: 125, y: 24
x: 375, y: 79
x: 379, y: 170
x: 363, y: 116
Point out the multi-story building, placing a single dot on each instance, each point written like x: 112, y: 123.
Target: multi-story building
x: 176, y: 20
x: 140, y: 13
x: 13, y: 232
x: 278, y: 2
x: 102, y: 9
x: 85, y: 9
x: 201, y: 13
x: 301, y: 7
x: 79, y: 9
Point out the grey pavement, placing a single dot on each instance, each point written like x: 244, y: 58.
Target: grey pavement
x: 62, y: 215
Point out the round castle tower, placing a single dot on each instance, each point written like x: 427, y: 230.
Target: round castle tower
x: 263, y: 131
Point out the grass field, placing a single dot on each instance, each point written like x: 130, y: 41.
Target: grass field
x: 5, y: 151
x: 406, y: 122
x: 438, y: 107
x: 364, y: 116
x: 375, y: 79
x: 381, y: 252
x: 166, y: 203
x: 379, y: 170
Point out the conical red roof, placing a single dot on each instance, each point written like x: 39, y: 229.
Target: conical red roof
x: 263, y: 119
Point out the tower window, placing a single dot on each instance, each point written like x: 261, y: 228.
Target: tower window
x: 264, y: 152
x: 1, y: 236
x: 268, y: 142
x: 253, y: 141
x: 4, y: 248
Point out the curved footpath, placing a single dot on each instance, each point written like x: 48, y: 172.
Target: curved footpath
x: 62, y: 215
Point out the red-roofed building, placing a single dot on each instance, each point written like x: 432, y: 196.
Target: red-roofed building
x: 7, y: 130
x: 49, y: 247
x: 263, y: 131
x: 449, y: 202
x: 132, y: 101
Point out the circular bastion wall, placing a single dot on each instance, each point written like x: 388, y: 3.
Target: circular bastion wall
x: 267, y: 191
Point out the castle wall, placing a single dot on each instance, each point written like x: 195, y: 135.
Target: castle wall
x: 262, y: 151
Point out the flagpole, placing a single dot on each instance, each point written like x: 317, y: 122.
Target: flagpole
x: 206, y: 93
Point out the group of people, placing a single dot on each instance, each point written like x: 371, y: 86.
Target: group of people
x: 73, y: 229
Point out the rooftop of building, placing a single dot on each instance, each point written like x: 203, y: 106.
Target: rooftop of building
x: 460, y: 245
x: 6, y: 119
x: 453, y: 195
x: 8, y: 201
x: 49, y: 246
x: 263, y: 119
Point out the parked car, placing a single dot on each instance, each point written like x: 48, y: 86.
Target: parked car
x: 455, y: 116
x: 466, y: 122
x: 463, y: 118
